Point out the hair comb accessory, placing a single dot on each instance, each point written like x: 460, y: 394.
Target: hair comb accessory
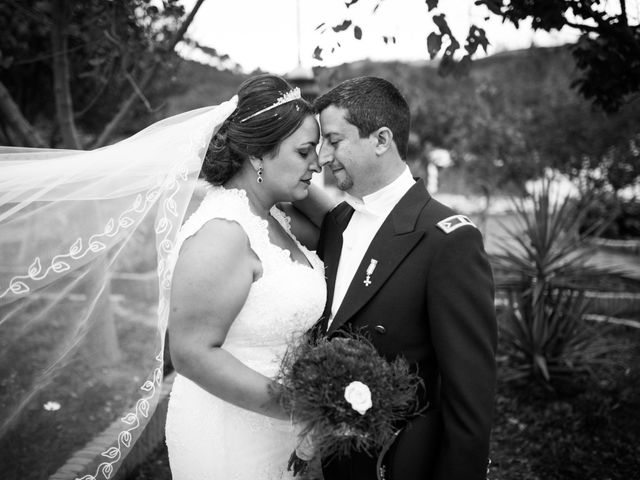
x: 290, y: 96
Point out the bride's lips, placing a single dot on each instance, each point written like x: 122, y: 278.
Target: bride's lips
x: 306, y: 180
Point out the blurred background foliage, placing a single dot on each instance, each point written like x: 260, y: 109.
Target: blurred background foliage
x: 513, y: 115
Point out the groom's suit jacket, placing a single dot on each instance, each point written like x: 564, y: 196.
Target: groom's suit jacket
x: 430, y: 300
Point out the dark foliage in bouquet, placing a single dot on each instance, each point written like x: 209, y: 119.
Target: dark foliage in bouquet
x: 314, y: 376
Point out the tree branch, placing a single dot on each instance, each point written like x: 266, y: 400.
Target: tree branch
x: 61, y: 88
x: 138, y: 91
x: 623, y: 15
x: 13, y: 116
x: 98, y: 94
x: 583, y: 26
x: 587, y: 12
x: 143, y: 83
x: 30, y: 13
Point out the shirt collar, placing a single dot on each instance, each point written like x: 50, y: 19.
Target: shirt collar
x: 381, y: 202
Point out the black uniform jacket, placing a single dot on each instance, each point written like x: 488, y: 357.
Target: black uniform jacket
x: 430, y: 299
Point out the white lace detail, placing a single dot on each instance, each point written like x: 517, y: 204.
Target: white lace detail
x: 207, y: 437
x: 60, y: 263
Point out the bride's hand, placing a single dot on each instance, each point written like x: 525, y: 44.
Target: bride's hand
x: 307, y: 215
x: 306, y: 449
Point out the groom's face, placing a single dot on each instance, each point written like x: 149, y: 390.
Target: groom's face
x: 345, y: 152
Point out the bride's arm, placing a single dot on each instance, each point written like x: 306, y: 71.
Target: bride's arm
x: 211, y: 282
x: 307, y: 215
x: 316, y: 205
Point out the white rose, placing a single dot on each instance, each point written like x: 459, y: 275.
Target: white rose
x: 359, y: 397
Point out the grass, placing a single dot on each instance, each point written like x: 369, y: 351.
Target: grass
x: 40, y: 441
x: 585, y: 428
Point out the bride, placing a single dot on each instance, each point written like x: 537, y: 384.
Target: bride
x: 234, y: 284
x: 243, y: 286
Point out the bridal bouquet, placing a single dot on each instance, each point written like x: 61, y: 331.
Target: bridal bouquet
x: 346, y: 394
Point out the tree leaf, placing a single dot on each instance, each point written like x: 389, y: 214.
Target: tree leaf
x: 357, y: 32
x: 342, y: 27
x: 431, y: 4
x: 317, y: 53
x: 434, y: 43
x: 441, y: 23
x: 494, y: 6
x: 476, y: 38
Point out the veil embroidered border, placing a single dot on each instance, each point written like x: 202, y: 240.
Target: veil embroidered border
x: 70, y: 222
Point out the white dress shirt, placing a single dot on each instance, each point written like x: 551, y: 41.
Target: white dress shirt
x: 369, y: 215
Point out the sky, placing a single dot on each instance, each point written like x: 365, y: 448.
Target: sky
x: 264, y: 33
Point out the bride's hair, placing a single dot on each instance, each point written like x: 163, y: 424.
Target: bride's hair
x: 246, y: 134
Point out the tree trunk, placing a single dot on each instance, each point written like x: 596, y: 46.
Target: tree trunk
x: 150, y: 75
x: 102, y: 335
x: 61, y: 88
x: 484, y: 214
x: 14, y: 118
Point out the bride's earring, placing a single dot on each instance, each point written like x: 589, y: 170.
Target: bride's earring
x: 259, y: 172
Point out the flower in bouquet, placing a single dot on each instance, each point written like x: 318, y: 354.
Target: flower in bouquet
x: 347, y: 396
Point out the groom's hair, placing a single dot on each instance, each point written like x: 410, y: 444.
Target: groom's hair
x: 371, y: 103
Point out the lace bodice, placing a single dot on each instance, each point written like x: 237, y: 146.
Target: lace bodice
x: 285, y: 301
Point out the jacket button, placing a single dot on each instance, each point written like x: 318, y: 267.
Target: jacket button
x: 380, y: 329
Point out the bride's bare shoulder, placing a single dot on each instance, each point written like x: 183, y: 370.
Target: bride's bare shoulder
x: 219, y: 245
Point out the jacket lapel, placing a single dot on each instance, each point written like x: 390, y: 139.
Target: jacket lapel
x: 394, y: 241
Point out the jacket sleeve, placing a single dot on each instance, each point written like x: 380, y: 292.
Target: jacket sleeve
x: 460, y: 304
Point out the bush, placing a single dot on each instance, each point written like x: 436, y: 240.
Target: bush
x: 624, y: 215
x: 545, y: 266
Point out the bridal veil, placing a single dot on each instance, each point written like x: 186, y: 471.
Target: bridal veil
x: 80, y: 341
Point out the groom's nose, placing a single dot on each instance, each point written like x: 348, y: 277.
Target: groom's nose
x: 325, y: 156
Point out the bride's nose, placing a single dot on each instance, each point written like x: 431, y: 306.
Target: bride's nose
x: 314, y: 164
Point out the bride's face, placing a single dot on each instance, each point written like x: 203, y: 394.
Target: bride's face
x: 289, y: 170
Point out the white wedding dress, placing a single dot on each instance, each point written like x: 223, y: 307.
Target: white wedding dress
x: 208, y: 438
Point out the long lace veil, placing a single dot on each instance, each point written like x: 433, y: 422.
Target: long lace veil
x: 86, y: 256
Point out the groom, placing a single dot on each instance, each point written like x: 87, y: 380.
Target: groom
x: 414, y: 275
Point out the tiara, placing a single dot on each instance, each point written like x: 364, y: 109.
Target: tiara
x: 290, y: 96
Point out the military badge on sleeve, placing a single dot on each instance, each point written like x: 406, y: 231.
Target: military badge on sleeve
x: 454, y: 222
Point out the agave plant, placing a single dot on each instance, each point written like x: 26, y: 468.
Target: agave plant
x: 544, y: 264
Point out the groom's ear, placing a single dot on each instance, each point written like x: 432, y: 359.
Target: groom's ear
x: 383, y: 140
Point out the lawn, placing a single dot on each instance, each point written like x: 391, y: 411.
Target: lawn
x: 587, y: 428
x: 87, y: 401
